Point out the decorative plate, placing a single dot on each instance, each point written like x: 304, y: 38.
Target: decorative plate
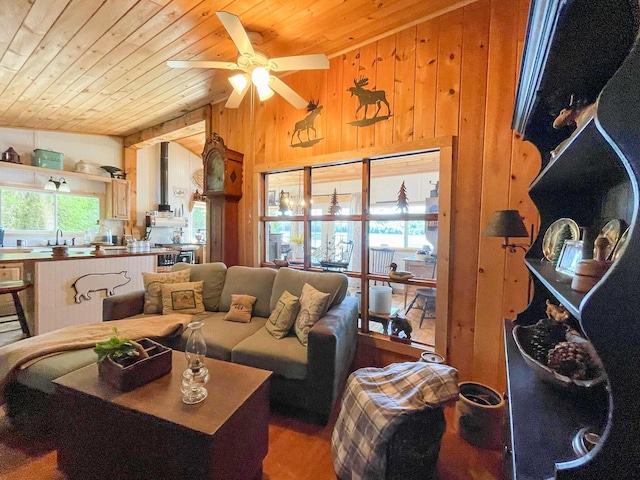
x: 198, y: 179
x: 612, y: 231
x: 621, y: 245
x: 551, y: 235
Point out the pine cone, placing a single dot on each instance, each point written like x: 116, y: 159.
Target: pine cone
x: 544, y: 337
x: 572, y: 360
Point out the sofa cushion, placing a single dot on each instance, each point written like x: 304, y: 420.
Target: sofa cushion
x: 182, y: 298
x: 285, y: 357
x: 40, y: 375
x: 219, y: 335
x: 212, y: 275
x: 257, y: 282
x: 283, y: 316
x: 292, y: 280
x: 313, y: 305
x: 241, y: 308
x: 153, y: 287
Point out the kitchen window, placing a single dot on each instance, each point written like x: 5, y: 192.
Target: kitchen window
x: 39, y: 211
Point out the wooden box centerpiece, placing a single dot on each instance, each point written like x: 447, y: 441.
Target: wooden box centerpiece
x: 126, y: 377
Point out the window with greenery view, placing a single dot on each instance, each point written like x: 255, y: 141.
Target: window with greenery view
x: 47, y: 211
x: 337, y: 217
x: 198, y: 222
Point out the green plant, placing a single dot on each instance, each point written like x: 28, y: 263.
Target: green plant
x: 116, y: 348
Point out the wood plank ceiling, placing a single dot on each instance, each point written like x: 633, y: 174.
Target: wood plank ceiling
x: 99, y: 66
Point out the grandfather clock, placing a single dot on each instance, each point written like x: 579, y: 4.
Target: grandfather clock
x: 223, y: 190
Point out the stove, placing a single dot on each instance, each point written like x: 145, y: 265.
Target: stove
x: 182, y: 253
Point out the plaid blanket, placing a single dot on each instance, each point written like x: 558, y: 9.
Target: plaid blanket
x: 373, y: 405
x: 77, y: 337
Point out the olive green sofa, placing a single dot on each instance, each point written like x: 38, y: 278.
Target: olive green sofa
x: 309, y: 377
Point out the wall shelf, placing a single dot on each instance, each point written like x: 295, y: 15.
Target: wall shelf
x: 545, y: 272
x: 56, y: 173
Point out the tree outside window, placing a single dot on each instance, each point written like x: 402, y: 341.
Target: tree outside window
x: 44, y: 211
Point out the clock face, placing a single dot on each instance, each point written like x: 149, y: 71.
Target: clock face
x: 215, y: 172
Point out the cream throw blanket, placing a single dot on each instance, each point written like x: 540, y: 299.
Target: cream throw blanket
x: 78, y: 337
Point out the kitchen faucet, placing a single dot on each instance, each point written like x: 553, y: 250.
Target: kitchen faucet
x: 58, y: 232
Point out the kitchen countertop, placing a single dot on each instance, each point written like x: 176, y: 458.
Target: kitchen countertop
x: 74, y: 253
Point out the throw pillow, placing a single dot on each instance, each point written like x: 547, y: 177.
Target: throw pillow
x: 182, y: 298
x: 153, y: 287
x: 312, y: 306
x: 284, y: 314
x: 241, y: 308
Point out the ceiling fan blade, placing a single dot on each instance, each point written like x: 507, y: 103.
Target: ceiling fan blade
x: 202, y: 64
x: 235, y: 99
x: 287, y: 93
x: 237, y: 32
x: 317, y: 61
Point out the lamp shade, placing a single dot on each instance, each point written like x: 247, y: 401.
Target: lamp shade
x: 50, y: 185
x: 505, y: 223
x: 260, y: 77
x: 64, y: 186
x: 239, y: 82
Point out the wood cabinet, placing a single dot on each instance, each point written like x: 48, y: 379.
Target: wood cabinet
x: 118, y: 199
x: 589, y: 50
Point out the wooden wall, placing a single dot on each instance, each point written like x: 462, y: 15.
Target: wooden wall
x: 454, y: 75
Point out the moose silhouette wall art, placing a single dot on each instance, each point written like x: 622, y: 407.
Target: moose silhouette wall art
x: 306, y: 124
x: 366, y: 98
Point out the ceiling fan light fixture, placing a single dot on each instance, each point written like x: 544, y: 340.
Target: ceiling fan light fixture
x: 238, y: 82
x: 264, y: 92
x: 260, y: 77
x: 256, y: 66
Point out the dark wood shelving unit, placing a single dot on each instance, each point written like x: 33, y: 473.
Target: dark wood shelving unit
x: 546, y: 274
x: 591, y: 50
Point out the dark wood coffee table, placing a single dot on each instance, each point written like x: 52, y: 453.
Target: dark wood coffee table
x: 150, y: 433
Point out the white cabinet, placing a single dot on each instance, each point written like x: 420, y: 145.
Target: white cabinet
x: 118, y: 199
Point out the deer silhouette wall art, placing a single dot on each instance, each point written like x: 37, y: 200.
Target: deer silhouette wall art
x: 366, y: 98
x: 306, y: 124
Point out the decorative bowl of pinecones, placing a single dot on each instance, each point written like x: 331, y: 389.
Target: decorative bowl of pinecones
x: 559, y: 355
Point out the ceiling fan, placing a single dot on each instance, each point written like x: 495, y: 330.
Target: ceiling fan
x: 257, y: 67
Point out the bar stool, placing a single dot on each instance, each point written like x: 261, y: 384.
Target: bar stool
x: 15, y: 287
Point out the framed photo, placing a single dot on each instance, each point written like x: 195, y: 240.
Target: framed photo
x: 570, y: 255
x: 272, y: 198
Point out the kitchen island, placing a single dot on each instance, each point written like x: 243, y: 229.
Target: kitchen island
x: 68, y: 290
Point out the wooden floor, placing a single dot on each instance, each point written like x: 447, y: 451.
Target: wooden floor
x: 297, y: 451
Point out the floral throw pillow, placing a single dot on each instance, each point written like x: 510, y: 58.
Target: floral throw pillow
x: 182, y: 298
x: 283, y: 316
x: 313, y: 305
x: 153, y: 287
x: 241, y: 308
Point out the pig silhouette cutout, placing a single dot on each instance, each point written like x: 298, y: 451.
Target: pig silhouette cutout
x: 94, y: 282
